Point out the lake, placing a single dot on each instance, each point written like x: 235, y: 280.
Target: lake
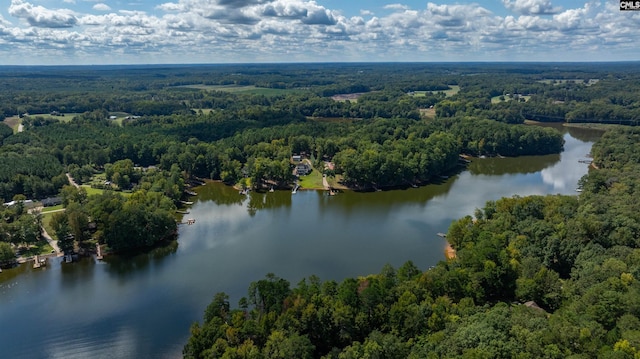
x: 143, y: 306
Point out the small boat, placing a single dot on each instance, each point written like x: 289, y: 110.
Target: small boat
x: 443, y: 235
x: 271, y: 189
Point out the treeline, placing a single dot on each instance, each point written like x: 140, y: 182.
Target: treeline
x: 540, y: 276
x: 257, y: 142
x: 564, y: 93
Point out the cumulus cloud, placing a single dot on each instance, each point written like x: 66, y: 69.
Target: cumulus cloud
x: 302, y: 30
x: 531, y: 7
x: 101, y: 7
x: 40, y: 16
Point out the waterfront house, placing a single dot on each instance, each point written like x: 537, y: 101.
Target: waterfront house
x: 302, y: 169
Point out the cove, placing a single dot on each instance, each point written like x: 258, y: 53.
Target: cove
x: 142, y: 306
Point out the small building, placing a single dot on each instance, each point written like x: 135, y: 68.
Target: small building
x: 296, y: 158
x: 302, y: 169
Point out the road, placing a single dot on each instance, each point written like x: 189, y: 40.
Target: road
x: 52, y: 243
x: 325, y: 183
x: 72, y: 181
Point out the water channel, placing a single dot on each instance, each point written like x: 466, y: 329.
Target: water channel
x: 142, y: 307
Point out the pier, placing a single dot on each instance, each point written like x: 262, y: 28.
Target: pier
x: 98, y: 252
x: 39, y: 262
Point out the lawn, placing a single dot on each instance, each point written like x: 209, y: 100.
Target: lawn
x: 453, y: 89
x: 312, y: 181
x: 91, y: 191
x: 51, y: 209
x: 66, y: 118
x: 46, y: 223
x: 40, y: 247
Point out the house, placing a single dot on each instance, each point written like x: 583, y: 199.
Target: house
x: 296, y: 158
x: 302, y: 169
x: 51, y: 201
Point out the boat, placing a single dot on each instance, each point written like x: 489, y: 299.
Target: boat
x: 443, y: 235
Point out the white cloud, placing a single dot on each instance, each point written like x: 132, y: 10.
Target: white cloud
x: 396, y: 7
x: 42, y: 17
x: 531, y: 7
x: 301, y: 30
x: 101, y: 7
x: 69, y: 1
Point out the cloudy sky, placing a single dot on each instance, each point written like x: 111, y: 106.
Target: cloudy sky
x: 221, y: 31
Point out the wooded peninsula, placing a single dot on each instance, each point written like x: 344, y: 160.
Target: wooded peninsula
x: 114, y: 151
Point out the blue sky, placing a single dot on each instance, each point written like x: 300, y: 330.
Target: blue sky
x: 62, y: 32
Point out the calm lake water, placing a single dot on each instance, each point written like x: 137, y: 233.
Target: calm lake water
x: 142, y: 307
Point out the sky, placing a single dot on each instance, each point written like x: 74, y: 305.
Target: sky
x: 79, y: 32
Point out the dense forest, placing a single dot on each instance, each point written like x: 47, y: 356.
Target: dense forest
x: 534, y: 277
x: 151, y: 130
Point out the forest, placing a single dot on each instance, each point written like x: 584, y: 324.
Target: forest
x: 534, y: 277
x: 398, y: 126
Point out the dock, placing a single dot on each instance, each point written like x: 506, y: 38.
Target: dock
x: 98, y: 252
x: 191, y: 221
x: 186, y: 203
x: 39, y: 262
x: 182, y: 212
x: 295, y: 189
x: 190, y: 193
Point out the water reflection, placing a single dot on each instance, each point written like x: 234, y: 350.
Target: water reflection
x: 122, y: 266
x: 510, y: 165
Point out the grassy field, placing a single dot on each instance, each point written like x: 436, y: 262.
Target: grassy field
x: 13, y: 122
x: 240, y: 89
x: 429, y: 113
x: 312, y: 181
x: 51, y: 209
x: 205, y: 111
x: 454, y: 89
x: 496, y: 99
x: 46, y: 223
x: 66, y: 118
x: 91, y: 191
